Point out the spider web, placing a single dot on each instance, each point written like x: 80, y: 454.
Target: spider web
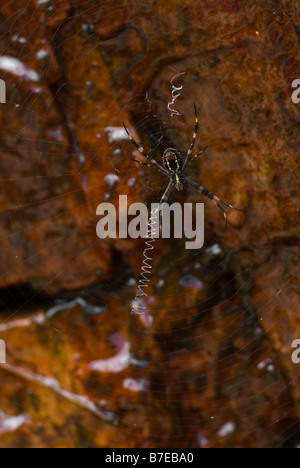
x: 178, y: 278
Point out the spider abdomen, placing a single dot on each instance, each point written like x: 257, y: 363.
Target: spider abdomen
x: 172, y: 160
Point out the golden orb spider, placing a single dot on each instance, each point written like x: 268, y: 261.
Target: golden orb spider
x: 175, y: 167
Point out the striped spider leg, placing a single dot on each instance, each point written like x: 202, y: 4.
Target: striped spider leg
x: 195, y: 157
x: 164, y: 199
x: 153, y: 164
x: 211, y: 196
x: 175, y: 167
x: 194, y: 138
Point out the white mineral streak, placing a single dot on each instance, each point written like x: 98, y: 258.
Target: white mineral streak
x: 114, y: 364
x: 10, y: 424
x: 53, y: 384
x: 18, y: 68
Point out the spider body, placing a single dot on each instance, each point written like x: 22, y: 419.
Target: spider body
x: 175, y: 168
x: 173, y: 162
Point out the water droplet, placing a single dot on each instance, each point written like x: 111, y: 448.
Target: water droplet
x: 191, y: 282
x: 84, y: 180
x: 43, y: 58
x: 202, y: 441
x: 226, y: 430
x: 131, y: 282
x: 132, y: 182
x: 41, y: 54
x: 214, y: 250
x: 87, y: 30
x: 151, y: 300
x: 135, y: 385
x: 116, y: 134
x: 56, y: 134
x: 44, y: 2
x: 20, y: 40
x: 111, y: 180
x: 160, y: 283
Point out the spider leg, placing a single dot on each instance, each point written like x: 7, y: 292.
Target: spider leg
x: 164, y: 199
x: 194, y: 137
x: 195, y: 157
x: 223, y: 211
x: 141, y: 150
x: 167, y: 193
x: 211, y: 196
x: 144, y: 164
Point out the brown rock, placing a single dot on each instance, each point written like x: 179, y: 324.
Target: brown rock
x: 209, y: 364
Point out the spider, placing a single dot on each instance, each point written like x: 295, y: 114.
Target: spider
x: 175, y: 168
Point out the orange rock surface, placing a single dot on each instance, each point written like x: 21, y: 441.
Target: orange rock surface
x: 209, y: 363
